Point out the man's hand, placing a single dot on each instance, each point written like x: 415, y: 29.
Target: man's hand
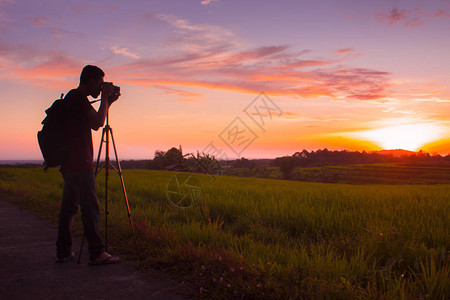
x: 113, y: 97
x: 97, y: 118
x: 110, y: 92
x: 107, y: 90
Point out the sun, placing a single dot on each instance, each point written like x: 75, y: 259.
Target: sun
x: 408, y: 136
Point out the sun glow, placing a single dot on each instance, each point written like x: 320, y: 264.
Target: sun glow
x: 408, y: 137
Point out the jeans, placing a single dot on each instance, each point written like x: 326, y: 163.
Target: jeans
x: 79, y: 190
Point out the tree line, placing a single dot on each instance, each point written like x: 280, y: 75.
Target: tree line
x: 174, y: 159
x: 325, y: 157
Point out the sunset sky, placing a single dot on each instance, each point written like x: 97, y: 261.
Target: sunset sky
x: 254, y: 79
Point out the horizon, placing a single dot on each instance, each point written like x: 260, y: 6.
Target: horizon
x: 41, y: 160
x: 233, y: 79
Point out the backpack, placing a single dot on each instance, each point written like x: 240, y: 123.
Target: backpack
x: 52, y: 138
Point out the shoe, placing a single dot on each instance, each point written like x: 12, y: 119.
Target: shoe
x: 109, y: 260
x: 63, y: 258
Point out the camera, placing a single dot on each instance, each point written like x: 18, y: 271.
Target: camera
x: 115, y: 92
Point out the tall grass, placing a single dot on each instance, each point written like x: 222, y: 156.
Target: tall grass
x: 264, y: 238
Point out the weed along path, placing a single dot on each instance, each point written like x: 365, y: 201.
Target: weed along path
x: 28, y: 269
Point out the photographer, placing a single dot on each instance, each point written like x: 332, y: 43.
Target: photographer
x: 77, y: 170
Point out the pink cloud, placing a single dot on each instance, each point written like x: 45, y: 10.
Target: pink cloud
x: 344, y: 51
x: 56, y: 70
x: 208, y: 2
x: 39, y: 21
x: 441, y: 14
x: 411, y: 18
x: 407, y: 17
x: 205, y: 56
x: 184, y: 96
x: 244, y: 72
x: 262, y: 52
x: 274, y: 69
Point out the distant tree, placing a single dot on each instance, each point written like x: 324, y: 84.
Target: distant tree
x: 244, y: 163
x: 341, y: 157
x: 263, y: 172
x: 301, y: 158
x: 286, y: 165
x: 158, y: 161
x: 203, y: 163
x: 172, y: 158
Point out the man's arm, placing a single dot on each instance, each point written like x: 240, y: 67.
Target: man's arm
x: 97, y: 118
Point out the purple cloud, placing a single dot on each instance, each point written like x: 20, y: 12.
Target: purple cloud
x: 411, y: 18
x: 256, y: 70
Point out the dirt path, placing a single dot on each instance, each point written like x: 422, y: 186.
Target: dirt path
x: 28, y: 269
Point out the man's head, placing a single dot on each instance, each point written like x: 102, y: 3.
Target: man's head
x: 92, y: 79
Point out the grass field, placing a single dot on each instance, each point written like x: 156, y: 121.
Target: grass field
x: 379, y: 173
x: 267, y: 239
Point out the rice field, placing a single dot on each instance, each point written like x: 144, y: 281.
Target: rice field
x: 252, y: 238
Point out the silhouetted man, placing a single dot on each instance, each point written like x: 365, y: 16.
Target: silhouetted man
x: 77, y: 170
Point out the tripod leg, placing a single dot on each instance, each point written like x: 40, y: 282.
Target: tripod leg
x: 81, y: 249
x: 99, y: 152
x: 107, y: 131
x: 125, y: 194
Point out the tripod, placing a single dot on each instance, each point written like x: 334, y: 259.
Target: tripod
x: 107, y: 131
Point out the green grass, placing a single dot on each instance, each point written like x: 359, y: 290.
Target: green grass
x: 379, y: 173
x: 266, y: 238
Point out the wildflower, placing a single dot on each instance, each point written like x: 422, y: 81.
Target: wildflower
x: 258, y: 285
x: 203, y: 267
x: 241, y: 268
x: 228, y: 285
x: 220, y: 258
x: 221, y: 279
x: 232, y: 269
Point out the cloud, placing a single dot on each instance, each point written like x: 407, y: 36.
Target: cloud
x: 394, y: 110
x: 54, y: 65
x: 211, y: 57
x: 259, y: 53
x: 292, y: 116
x: 393, y: 17
x: 39, y: 21
x: 4, y: 18
x: 55, y: 70
x: 432, y: 99
x: 196, y: 37
x: 441, y: 14
x: 184, y: 96
x: 408, y: 17
x: 3, y: 2
x: 411, y: 18
x: 344, y: 50
x: 63, y: 33
x: 81, y: 8
x: 124, y: 52
x: 208, y: 2
x: 252, y: 72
